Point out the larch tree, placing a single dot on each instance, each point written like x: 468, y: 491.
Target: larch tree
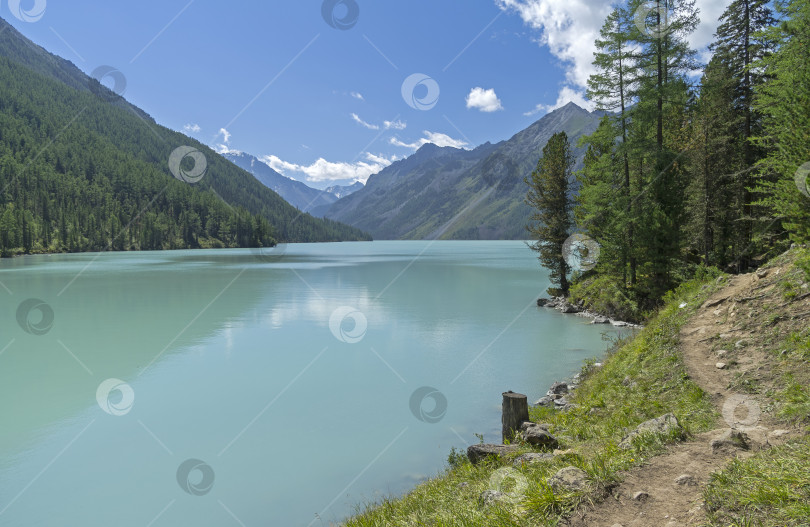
x: 549, y: 196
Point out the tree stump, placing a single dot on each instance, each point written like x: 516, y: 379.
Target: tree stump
x: 515, y: 413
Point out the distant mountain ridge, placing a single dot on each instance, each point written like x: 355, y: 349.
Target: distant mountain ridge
x: 296, y: 193
x: 450, y: 193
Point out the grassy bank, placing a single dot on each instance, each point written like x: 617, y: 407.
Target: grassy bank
x: 641, y: 378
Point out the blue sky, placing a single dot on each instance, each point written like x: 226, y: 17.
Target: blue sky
x: 325, y: 105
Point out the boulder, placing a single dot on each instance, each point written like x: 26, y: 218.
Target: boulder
x: 641, y: 496
x: 545, y: 401
x: 664, y: 425
x: 562, y: 401
x: 477, y: 453
x: 721, y: 365
x: 539, y: 437
x: 531, y: 458
x: 558, y: 388
x: 567, y: 308
x: 568, y: 479
x: 543, y: 302
x: 730, y: 439
x: 489, y: 497
x: 686, y: 480
x: 600, y: 320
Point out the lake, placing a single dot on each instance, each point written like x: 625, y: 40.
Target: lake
x: 240, y: 387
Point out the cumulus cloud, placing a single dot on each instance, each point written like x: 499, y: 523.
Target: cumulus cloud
x: 361, y: 122
x: 191, y: 128
x: 225, y: 146
x: 484, y: 100
x: 327, y: 171
x: 435, y: 138
x: 569, y: 28
x: 358, y: 96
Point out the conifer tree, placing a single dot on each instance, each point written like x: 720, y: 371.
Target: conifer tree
x: 549, y: 196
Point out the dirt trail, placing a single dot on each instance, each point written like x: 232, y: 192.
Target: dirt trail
x: 672, y: 484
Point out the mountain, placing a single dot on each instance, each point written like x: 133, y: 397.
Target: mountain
x: 297, y: 194
x: 341, y: 191
x: 450, y: 193
x: 82, y: 169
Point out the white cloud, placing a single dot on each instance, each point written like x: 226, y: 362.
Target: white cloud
x: 567, y: 94
x: 484, y: 100
x: 435, y: 138
x: 361, y: 122
x: 225, y: 146
x: 569, y: 28
x: 323, y: 170
x: 192, y: 128
x: 395, y: 125
x: 358, y: 96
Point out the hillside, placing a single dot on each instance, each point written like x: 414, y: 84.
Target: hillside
x: 449, y: 193
x: 81, y: 169
x: 701, y: 418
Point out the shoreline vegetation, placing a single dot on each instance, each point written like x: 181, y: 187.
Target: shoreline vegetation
x: 638, y: 404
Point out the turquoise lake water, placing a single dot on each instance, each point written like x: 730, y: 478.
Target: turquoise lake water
x: 216, y: 388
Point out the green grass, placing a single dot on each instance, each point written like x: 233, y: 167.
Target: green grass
x: 770, y: 489
x: 608, y: 408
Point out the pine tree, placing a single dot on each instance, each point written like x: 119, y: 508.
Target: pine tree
x: 655, y: 140
x: 549, y: 196
x: 612, y: 88
x: 740, y: 42
x: 784, y: 101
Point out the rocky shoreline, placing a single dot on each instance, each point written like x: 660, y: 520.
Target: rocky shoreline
x: 557, y: 396
x: 562, y: 305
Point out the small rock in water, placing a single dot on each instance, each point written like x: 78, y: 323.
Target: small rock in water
x: 558, y: 388
x: 547, y: 401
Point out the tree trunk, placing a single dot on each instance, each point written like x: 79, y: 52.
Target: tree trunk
x: 515, y: 412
